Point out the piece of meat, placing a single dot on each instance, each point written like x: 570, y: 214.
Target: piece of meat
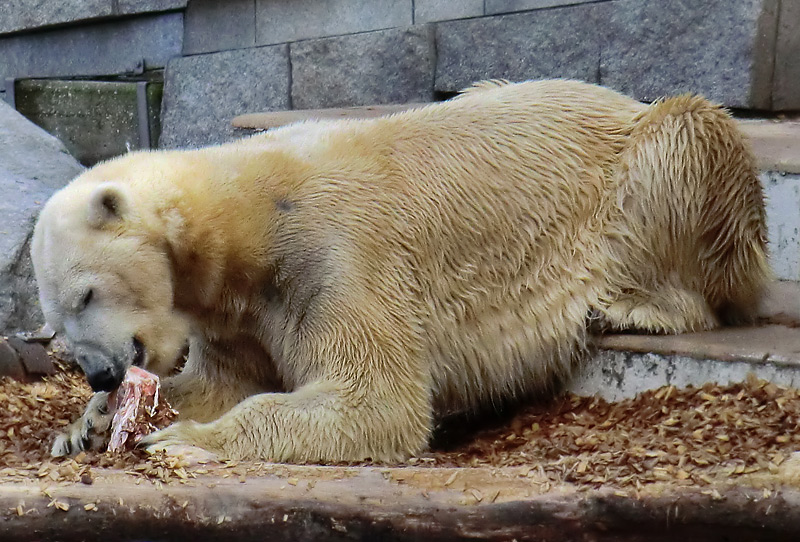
x: 138, y: 410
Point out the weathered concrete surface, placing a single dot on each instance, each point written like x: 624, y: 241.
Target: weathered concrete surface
x: 427, y: 11
x: 211, y: 25
x: 203, y: 93
x: 721, y: 49
x: 30, y: 14
x: 777, y: 149
x: 532, y: 45
x: 279, y: 21
x: 629, y: 364
x: 125, y: 7
x: 776, y: 144
x: 507, y: 6
x: 104, y: 48
x: 33, y: 164
x: 386, y: 67
x: 783, y: 221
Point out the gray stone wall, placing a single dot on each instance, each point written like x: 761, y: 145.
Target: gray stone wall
x: 25, y: 15
x: 743, y: 53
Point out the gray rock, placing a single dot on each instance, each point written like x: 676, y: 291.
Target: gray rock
x: 28, y: 14
x: 280, y: 21
x: 427, y: 11
x: 386, y: 67
x: 33, y: 165
x: 145, y: 6
x: 107, y: 48
x: 721, y: 49
x: 563, y: 42
x: 507, y: 6
x: 786, y: 90
x: 211, y: 25
x: 203, y: 93
x: 31, y: 14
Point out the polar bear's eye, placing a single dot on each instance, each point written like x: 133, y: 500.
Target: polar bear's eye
x: 87, y: 298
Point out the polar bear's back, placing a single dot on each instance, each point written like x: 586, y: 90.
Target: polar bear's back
x: 508, y: 188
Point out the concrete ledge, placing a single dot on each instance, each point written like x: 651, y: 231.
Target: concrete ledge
x: 630, y: 364
x: 776, y: 144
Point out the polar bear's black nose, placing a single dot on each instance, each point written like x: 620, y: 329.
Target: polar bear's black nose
x: 103, y: 379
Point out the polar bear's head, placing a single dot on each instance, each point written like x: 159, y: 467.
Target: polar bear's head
x: 105, y: 282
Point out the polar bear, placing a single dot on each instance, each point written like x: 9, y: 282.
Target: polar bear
x: 342, y: 283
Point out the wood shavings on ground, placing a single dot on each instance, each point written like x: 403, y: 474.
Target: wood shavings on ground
x: 686, y: 437
x: 690, y: 437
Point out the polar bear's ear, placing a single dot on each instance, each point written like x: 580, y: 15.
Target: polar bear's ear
x: 107, y: 204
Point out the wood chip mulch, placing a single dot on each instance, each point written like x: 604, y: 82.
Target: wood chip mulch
x: 693, y: 436
x: 688, y: 437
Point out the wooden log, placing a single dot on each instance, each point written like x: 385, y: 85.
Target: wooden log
x: 399, y: 504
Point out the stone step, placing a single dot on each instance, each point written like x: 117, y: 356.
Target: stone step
x: 627, y: 364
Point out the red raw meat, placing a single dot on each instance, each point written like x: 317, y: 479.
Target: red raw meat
x: 136, y: 408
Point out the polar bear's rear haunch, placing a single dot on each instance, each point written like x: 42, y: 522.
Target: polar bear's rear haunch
x: 347, y: 281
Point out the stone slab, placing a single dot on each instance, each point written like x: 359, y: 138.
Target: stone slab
x: 33, y: 357
x: 776, y: 144
x: 10, y: 364
x: 530, y: 45
x: 203, y: 93
x: 104, y: 48
x: 780, y: 304
x: 19, y: 15
x: 211, y: 25
x: 615, y: 375
x: 721, y: 49
x: 428, y: 11
x: 390, y: 66
x: 95, y: 120
x: 279, y: 21
x: 629, y: 364
x: 786, y: 89
x: 125, y: 7
x: 774, y: 344
x: 29, y: 14
x: 506, y: 6
x: 33, y: 165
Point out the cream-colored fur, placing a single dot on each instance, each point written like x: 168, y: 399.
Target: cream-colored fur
x: 347, y: 281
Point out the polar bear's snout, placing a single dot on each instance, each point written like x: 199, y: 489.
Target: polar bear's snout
x: 105, y: 371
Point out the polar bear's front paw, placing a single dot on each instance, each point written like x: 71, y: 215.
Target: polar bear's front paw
x: 189, y: 441
x: 89, y: 432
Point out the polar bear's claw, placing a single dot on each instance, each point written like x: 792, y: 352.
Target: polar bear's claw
x: 89, y: 432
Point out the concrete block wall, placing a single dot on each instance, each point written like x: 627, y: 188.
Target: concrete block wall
x: 743, y: 53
